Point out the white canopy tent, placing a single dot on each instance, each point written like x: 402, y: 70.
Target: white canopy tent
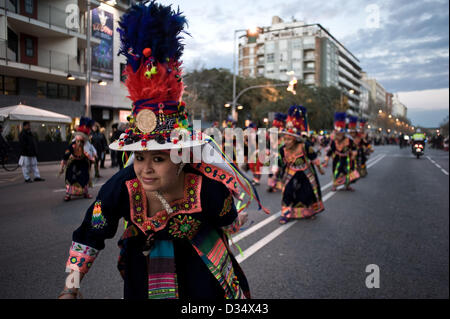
x: 23, y: 112
x: 12, y: 116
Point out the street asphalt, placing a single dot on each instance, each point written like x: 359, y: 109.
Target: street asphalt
x: 396, y: 219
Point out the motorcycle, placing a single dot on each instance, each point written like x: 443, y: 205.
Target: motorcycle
x: 418, y: 149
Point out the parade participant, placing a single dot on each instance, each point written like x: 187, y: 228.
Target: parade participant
x: 253, y: 161
x: 76, y: 163
x: 352, y: 129
x: 363, y: 146
x: 342, y: 149
x: 28, y: 154
x: 302, y: 197
x: 278, y: 123
x: 179, y: 215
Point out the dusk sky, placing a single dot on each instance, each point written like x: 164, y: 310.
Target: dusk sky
x: 403, y: 44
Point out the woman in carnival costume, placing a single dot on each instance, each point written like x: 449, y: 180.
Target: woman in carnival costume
x: 302, y: 197
x: 342, y: 150
x: 178, y: 215
x: 352, y: 129
x: 363, y: 148
x: 278, y: 125
x: 76, y: 163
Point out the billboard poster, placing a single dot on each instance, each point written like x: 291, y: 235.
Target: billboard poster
x: 102, y: 54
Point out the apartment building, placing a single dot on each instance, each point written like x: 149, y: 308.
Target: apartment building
x: 398, y: 108
x: 309, y: 50
x: 377, y: 92
x: 43, y: 57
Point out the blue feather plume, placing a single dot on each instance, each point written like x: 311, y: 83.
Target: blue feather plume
x: 151, y: 25
x: 340, y: 116
x: 280, y: 116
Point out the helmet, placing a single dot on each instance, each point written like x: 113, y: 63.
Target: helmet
x: 418, y: 130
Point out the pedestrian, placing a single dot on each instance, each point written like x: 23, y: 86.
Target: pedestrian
x: 302, y: 197
x: 28, y: 154
x: 76, y: 163
x: 98, y: 140
x: 342, y: 150
x: 4, y: 147
x: 113, y: 137
x: 178, y: 215
x: 105, y: 147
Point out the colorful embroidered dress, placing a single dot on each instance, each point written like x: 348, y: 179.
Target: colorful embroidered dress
x: 344, y: 166
x: 361, y: 158
x: 182, y: 254
x: 301, y: 197
x: 77, y: 171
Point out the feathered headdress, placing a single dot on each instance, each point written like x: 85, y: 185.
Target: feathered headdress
x: 279, y: 120
x: 339, y: 121
x: 362, y: 124
x: 85, y: 127
x: 151, y: 36
x: 297, y: 120
x: 352, y: 123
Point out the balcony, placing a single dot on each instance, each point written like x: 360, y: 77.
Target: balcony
x: 50, y: 21
x: 309, y: 57
x: 50, y: 64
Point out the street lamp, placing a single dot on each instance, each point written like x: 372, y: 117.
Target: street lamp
x: 227, y: 105
x: 252, y: 31
x: 240, y: 107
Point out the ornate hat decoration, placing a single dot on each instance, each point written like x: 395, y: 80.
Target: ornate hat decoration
x: 84, y: 128
x: 339, y: 121
x: 151, y: 35
x: 279, y: 120
x: 296, y: 121
x: 352, y: 123
x: 362, y: 124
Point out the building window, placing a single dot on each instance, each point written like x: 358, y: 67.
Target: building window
x: 41, y: 89
x: 29, y: 47
x: 270, y: 58
x: 63, y: 91
x: 52, y: 90
x: 29, y: 6
x: 8, y: 85
x: 74, y: 93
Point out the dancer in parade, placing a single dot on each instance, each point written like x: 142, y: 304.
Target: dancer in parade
x: 354, y: 136
x: 76, y: 163
x: 302, y: 197
x: 363, y: 147
x: 278, y: 125
x: 342, y: 150
x: 179, y: 214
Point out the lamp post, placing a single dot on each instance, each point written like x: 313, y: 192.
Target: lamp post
x: 88, y: 60
x: 253, y: 31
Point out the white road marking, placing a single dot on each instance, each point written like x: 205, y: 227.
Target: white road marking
x: 281, y: 229
x: 437, y: 165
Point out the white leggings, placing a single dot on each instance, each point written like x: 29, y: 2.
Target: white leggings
x: 29, y: 165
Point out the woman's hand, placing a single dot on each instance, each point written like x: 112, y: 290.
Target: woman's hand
x: 243, y: 217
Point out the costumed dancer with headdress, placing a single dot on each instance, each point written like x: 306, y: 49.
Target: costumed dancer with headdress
x: 278, y: 124
x: 76, y: 162
x: 179, y: 215
x: 363, y: 148
x: 342, y: 150
x: 352, y: 129
x: 302, y: 197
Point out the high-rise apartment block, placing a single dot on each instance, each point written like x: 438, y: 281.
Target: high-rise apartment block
x: 308, y: 50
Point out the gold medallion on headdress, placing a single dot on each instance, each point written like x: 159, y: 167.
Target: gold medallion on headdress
x: 146, y: 121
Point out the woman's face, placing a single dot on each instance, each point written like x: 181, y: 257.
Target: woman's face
x: 289, y: 140
x: 79, y: 141
x: 340, y: 136
x: 155, y: 170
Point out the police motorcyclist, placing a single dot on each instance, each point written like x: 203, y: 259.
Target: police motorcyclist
x: 418, y: 138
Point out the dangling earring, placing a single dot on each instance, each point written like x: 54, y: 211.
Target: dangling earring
x: 180, y: 169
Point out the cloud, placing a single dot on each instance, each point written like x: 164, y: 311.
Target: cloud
x: 410, y: 49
